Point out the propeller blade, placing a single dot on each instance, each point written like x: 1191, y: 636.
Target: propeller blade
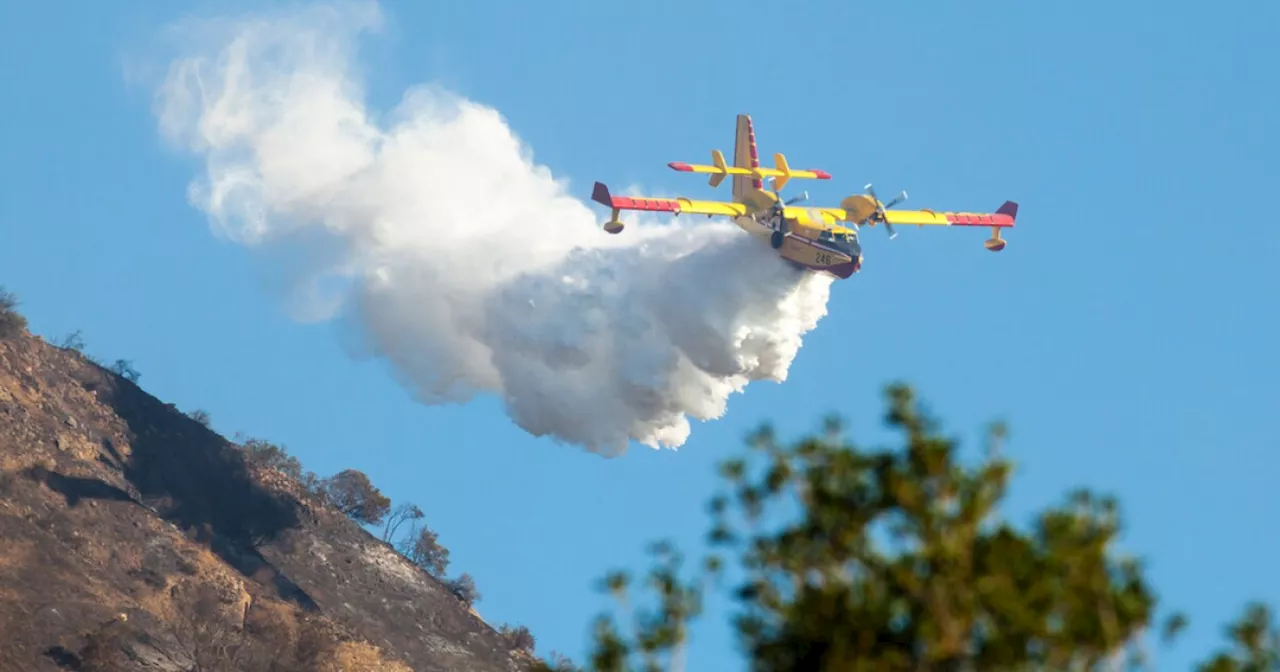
x: 804, y: 196
x: 879, y: 213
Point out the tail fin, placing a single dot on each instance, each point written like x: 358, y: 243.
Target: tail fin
x: 745, y: 156
x: 1009, y: 208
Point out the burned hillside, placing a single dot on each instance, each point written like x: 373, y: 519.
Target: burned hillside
x: 134, y: 537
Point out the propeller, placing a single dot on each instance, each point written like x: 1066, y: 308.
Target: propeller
x: 880, y: 215
x: 804, y: 195
x: 779, y: 204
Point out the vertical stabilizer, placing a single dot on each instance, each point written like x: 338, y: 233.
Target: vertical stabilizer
x: 745, y: 156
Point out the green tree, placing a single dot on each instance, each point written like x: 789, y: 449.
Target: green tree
x: 423, y: 548
x: 895, y: 559
x: 352, y: 493
x: 1255, y: 644
x: 265, y: 454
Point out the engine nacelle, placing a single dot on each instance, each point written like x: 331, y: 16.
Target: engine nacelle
x: 859, y: 207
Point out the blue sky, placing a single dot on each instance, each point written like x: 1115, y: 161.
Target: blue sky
x: 1124, y: 333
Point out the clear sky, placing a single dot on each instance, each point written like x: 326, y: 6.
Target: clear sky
x: 1126, y: 333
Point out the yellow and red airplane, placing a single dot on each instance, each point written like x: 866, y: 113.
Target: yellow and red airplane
x: 813, y: 238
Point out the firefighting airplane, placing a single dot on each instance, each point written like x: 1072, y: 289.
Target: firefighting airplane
x: 812, y: 238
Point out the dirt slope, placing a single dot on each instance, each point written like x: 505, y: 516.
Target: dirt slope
x: 134, y: 538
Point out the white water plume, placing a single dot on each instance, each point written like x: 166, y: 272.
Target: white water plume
x: 463, y: 264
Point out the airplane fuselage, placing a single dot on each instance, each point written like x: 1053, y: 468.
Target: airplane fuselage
x: 839, y: 258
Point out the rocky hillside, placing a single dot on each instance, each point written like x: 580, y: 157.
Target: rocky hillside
x: 132, y: 537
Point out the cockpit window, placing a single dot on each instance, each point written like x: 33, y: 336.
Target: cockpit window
x: 844, y: 241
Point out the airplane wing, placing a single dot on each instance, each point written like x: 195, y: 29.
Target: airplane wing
x: 1003, y: 217
x: 680, y: 206
x: 828, y: 216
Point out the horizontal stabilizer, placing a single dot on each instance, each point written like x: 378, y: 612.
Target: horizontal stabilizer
x: 782, y: 173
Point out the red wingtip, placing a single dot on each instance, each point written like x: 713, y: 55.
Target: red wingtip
x: 822, y: 174
x: 682, y: 167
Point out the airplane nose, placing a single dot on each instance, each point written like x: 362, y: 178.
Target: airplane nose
x: 844, y: 270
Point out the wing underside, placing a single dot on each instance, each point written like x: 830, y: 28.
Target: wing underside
x: 826, y: 216
x: 1004, y: 217
x: 677, y: 206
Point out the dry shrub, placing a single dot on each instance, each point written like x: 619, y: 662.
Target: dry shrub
x: 104, y: 648
x: 275, y: 625
x: 360, y: 657
x: 10, y: 470
x: 12, y: 323
x: 518, y: 638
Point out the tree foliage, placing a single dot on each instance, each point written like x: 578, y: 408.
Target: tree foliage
x: 124, y: 369
x: 519, y: 638
x: 265, y: 454
x: 423, y: 548
x: 72, y: 341
x: 351, y: 492
x: 402, y: 514
x: 1254, y: 644
x: 464, y: 588
x: 851, y: 558
x: 12, y: 323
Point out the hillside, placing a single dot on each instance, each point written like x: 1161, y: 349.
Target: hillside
x: 132, y: 537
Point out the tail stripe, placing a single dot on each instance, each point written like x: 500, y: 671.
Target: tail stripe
x: 755, y: 157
